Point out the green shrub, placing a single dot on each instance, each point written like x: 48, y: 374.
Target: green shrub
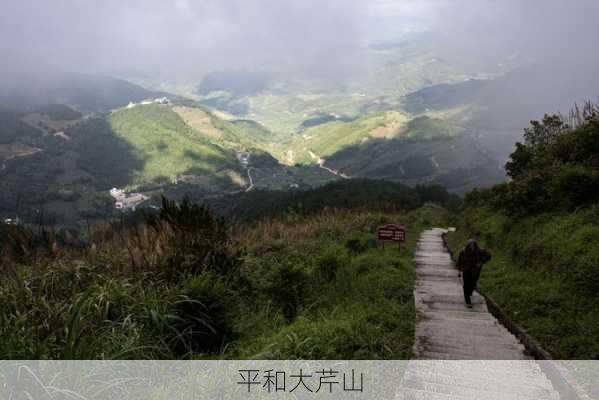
x: 574, y: 185
x: 372, y: 261
x: 585, y: 263
x: 556, y: 169
x: 196, y: 241
x: 360, y: 242
x: 362, y: 331
x: 331, y: 259
x: 287, y: 284
x: 392, y: 282
x: 199, y: 320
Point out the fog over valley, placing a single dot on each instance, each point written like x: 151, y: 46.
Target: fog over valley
x: 218, y: 97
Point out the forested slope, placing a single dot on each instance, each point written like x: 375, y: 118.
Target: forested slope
x: 542, y: 227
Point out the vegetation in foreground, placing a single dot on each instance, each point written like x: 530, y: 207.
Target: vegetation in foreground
x: 542, y: 228
x: 183, y: 284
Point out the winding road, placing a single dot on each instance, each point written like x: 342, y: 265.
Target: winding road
x: 321, y: 162
x: 250, y: 179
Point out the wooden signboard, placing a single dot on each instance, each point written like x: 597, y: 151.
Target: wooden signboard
x: 391, y: 233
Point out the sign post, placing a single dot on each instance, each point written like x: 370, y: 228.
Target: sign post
x: 392, y: 233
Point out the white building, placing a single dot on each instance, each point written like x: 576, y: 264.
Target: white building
x: 118, y: 194
x: 130, y: 202
x: 161, y: 100
x: 12, y: 221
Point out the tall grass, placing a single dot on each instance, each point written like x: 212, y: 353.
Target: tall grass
x: 544, y: 274
x: 184, y: 284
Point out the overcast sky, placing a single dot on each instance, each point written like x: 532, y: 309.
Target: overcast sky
x: 185, y: 38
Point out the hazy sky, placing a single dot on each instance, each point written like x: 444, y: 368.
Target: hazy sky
x: 186, y: 38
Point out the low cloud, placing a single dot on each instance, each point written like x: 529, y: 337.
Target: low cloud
x: 185, y: 39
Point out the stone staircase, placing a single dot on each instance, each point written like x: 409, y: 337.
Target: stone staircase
x: 463, y: 353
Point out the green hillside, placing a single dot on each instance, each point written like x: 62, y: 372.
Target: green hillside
x: 425, y: 127
x: 330, y: 138
x: 237, y: 134
x: 60, y: 112
x: 542, y: 229
x: 165, y: 145
x: 326, y: 139
x: 392, y: 146
x: 13, y: 129
x: 342, y: 194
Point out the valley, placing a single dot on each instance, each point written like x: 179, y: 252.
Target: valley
x: 413, y: 117
x: 182, y: 148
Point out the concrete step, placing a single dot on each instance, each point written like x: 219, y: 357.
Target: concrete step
x: 466, y: 326
x: 466, y: 315
x: 510, y: 368
x: 496, y: 383
x: 456, y: 298
x: 481, y: 340
x: 441, y: 306
x: 484, y: 390
x: 447, y: 330
x: 431, y: 355
x: 467, y: 343
x: 471, y: 353
x: 453, y: 320
x: 465, y: 331
x: 415, y: 394
x: 467, y: 346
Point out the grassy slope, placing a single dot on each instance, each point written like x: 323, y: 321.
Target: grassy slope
x: 286, y: 112
x: 330, y: 138
x: 326, y: 139
x: 426, y: 127
x: 13, y: 129
x: 114, y: 301
x: 166, y: 145
x: 538, y: 275
x: 366, y: 311
x: 203, y: 122
x: 239, y: 134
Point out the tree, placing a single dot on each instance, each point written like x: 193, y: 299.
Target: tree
x: 520, y: 161
x: 540, y: 134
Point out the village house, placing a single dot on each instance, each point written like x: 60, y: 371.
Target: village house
x: 127, y: 202
x: 162, y: 100
x: 13, y: 221
x: 118, y: 194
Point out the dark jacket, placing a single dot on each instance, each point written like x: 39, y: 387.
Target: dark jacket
x: 472, y: 258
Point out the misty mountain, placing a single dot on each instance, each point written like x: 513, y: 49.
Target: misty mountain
x: 278, y: 95
x: 12, y: 128
x: 236, y: 82
x: 84, y: 92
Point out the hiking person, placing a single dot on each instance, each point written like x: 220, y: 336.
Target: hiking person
x: 470, y: 263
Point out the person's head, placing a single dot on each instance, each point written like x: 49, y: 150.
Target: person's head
x: 472, y: 246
